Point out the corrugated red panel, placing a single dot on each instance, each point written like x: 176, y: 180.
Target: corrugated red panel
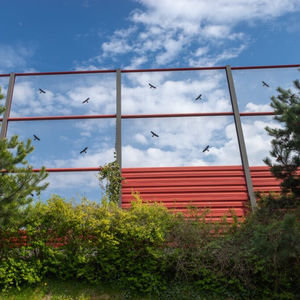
x: 221, y: 189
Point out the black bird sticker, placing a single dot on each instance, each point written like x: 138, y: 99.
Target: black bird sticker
x: 206, y: 148
x: 86, y: 100
x: 84, y: 150
x: 152, y: 86
x: 42, y: 91
x: 36, y: 138
x: 154, y: 134
x: 199, y: 97
x: 265, y: 84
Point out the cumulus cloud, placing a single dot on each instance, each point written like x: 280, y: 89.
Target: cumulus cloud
x: 166, y: 29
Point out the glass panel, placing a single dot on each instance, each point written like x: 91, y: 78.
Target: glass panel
x: 253, y: 95
x: 180, y: 142
x: 60, y: 142
x: 73, y: 185
x: 258, y: 142
x: 175, y: 92
x: 64, y: 95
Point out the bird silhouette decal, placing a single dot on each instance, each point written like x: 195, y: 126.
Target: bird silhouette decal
x: 84, y: 150
x: 42, y: 91
x: 152, y: 86
x: 265, y: 84
x: 199, y: 97
x: 36, y: 138
x: 86, y: 100
x: 206, y: 148
x: 154, y: 134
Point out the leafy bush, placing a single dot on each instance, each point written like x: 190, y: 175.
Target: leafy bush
x: 262, y: 256
x: 146, y: 250
x: 95, y: 243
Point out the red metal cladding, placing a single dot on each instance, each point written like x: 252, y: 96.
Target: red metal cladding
x: 221, y: 189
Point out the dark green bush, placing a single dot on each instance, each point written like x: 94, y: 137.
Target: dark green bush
x: 263, y: 256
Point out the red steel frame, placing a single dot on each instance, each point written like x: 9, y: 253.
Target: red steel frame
x: 74, y: 117
x: 153, y: 70
x: 77, y: 117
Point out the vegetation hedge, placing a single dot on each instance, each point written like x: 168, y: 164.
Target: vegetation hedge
x: 146, y: 250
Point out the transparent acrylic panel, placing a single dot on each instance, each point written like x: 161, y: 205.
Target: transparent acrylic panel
x: 180, y: 142
x: 253, y: 95
x: 62, y: 141
x: 73, y: 185
x: 64, y: 95
x: 258, y: 142
x: 175, y: 92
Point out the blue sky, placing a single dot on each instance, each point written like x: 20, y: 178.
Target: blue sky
x: 46, y: 36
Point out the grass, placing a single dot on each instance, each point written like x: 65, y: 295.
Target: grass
x: 75, y: 290
x: 63, y: 290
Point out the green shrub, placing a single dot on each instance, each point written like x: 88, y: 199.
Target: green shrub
x: 19, y: 266
x: 262, y: 256
x: 146, y: 249
x: 97, y: 242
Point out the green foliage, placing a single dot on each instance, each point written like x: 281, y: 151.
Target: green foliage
x: 18, y: 268
x: 286, y: 144
x: 98, y: 243
x: 111, y: 179
x: 147, y: 250
x: 2, y: 109
x: 262, y: 256
x: 18, y: 182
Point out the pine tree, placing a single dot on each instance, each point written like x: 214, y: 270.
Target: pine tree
x: 286, y: 144
x: 18, y: 181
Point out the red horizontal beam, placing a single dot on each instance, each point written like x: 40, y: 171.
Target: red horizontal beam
x: 173, y: 69
x: 261, y: 113
x: 61, y: 117
x: 70, y: 169
x: 266, y: 67
x: 208, y: 114
x: 154, y: 70
x: 65, y: 73
x: 255, y: 170
x: 176, y: 115
x: 55, y: 170
x: 143, y: 116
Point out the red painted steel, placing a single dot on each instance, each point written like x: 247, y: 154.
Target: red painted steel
x: 57, y: 170
x: 173, y: 69
x: 143, y: 116
x: 65, y: 73
x: 208, y: 114
x: 266, y: 67
x: 220, y: 189
x: 53, y: 170
x: 47, y: 118
x: 153, y: 70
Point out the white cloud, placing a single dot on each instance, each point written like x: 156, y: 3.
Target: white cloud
x: 140, y: 138
x: 251, y: 107
x: 165, y: 30
x: 216, y: 31
x: 12, y: 58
